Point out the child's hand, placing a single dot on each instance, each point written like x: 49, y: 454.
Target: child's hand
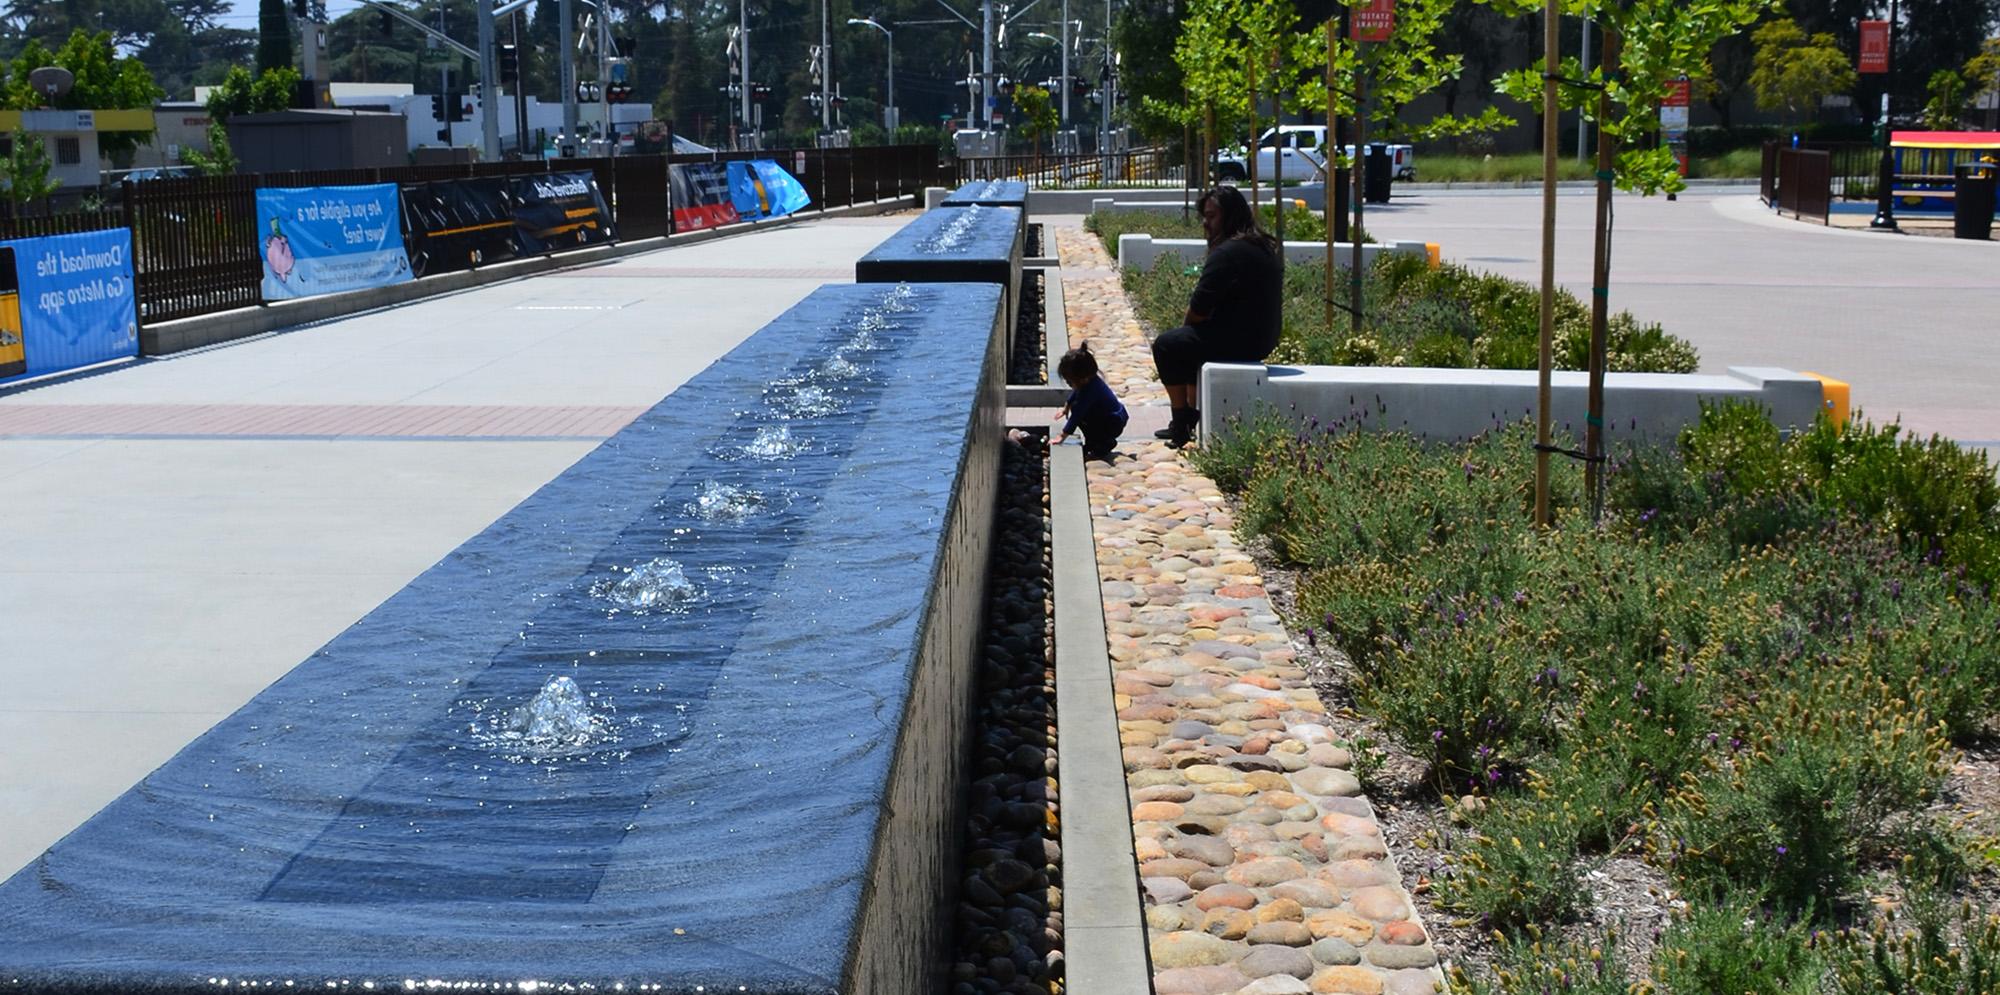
x: 1060, y: 438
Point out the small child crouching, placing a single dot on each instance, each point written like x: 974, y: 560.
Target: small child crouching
x: 1091, y: 408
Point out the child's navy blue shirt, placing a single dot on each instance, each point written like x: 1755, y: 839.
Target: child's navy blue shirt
x: 1093, y: 402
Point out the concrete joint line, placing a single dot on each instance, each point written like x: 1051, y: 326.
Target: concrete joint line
x: 1104, y: 930
x: 1055, y: 318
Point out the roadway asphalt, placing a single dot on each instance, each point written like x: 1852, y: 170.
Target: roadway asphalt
x: 177, y: 533
x: 1908, y: 321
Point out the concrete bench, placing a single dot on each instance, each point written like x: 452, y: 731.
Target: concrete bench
x: 1143, y: 252
x: 1459, y: 404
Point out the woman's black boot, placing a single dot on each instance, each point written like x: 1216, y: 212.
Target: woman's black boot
x: 1168, y: 432
x: 1183, y: 428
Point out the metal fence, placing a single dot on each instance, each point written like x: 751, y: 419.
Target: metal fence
x: 1805, y: 183
x: 1767, y: 175
x: 1152, y: 165
x: 194, y: 240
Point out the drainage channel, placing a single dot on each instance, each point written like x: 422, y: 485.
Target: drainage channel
x: 1049, y: 892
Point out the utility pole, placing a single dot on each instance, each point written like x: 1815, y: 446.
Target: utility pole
x: 489, y: 84
x: 520, y: 92
x: 986, y: 101
x: 1065, y: 75
x: 743, y: 40
x: 566, y: 46
x: 825, y: 65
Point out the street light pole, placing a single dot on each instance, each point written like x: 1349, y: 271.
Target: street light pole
x: 889, y: 115
x: 1065, y: 69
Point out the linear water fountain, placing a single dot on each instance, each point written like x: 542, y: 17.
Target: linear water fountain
x: 690, y: 717
x: 954, y: 245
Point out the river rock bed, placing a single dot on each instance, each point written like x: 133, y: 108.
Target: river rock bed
x: 1008, y: 923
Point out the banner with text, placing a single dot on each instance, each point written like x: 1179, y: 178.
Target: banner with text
x: 701, y: 196
x: 559, y: 211
x: 458, y: 224
x: 323, y: 240
x: 66, y: 301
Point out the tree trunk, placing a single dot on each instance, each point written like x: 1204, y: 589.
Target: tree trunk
x: 1600, y: 295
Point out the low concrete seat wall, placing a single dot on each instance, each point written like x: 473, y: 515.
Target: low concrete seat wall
x: 1143, y: 252
x: 1459, y: 404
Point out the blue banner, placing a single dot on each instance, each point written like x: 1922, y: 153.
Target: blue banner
x: 67, y: 301
x: 762, y: 189
x: 323, y: 240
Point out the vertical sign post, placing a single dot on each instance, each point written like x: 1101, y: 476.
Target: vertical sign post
x: 1674, y: 122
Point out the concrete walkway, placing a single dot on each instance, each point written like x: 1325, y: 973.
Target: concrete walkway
x: 1908, y: 321
x: 177, y: 533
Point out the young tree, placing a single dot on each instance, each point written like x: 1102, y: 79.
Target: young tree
x: 1795, y: 72
x: 1648, y: 46
x: 27, y: 167
x: 1038, y: 114
x: 1947, y: 100
x: 238, y: 93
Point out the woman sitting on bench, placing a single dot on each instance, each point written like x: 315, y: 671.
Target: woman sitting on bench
x: 1234, y: 314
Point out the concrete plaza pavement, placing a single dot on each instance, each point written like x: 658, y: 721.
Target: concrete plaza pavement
x: 1909, y: 322
x: 177, y: 533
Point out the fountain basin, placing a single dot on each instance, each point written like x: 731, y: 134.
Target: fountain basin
x: 739, y: 773
x: 954, y: 245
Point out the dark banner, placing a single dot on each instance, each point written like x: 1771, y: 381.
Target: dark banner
x: 559, y: 211
x: 701, y: 195
x: 457, y: 224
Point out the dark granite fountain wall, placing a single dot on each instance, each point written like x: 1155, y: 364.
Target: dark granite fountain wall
x: 756, y: 787
x: 954, y: 245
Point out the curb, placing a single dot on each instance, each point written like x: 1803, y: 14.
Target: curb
x: 1104, y: 931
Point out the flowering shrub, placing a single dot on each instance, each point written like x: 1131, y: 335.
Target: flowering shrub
x: 1749, y: 675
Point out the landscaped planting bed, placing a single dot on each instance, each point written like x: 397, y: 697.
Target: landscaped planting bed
x: 1449, y: 316
x: 1738, y: 737
x: 1300, y: 225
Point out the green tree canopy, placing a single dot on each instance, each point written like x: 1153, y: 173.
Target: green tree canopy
x: 26, y: 168
x: 1038, y: 113
x: 104, y: 81
x: 1795, y: 72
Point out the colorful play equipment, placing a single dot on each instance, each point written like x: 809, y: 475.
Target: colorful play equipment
x: 1925, y: 161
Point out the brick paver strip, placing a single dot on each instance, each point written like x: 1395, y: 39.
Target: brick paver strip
x: 1262, y: 865
x: 307, y: 421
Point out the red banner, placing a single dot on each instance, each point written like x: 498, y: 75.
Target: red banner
x: 1373, y: 20
x: 1874, y: 46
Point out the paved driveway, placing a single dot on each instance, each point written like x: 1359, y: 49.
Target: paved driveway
x: 1911, y: 322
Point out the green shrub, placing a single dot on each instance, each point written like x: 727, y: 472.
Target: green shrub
x: 1531, y: 965
x: 1808, y: 785
x: 1729, y: 945
x: 1231, y: 458
x: 1942, y: 953
x: 1522, y: 865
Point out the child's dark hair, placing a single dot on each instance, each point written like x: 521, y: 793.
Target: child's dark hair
x: 1077, y: 364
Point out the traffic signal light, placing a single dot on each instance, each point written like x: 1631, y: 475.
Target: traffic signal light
x: 760, y: 91
x: 1078, y: 87
x: 510, y: 63
x: 388, y: 23
x: 454, y: 106
x: 437, y: 107
x: 1006, y: 87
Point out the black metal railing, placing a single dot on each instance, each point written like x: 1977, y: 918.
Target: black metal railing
x: 1143, y: 166
x: 195, y: 239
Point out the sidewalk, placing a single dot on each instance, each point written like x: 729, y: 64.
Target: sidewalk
x: 1263, y: 865
x: 180, y: 532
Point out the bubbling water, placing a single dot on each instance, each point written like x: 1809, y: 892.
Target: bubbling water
x: 774, y: 442
x: 802, y: 399
x: 557, y: 722
x: 655, y: 586
x: 715, y: 502
x: 952, y: 235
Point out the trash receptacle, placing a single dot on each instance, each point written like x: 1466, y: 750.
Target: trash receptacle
x: 1972, y: 201
x: 1381, y: 173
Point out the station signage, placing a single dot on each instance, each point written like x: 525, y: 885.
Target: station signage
x: 1874, y: 47
x: 1372, y: 20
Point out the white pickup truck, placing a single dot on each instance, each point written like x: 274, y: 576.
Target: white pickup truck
x: 1298, y: 152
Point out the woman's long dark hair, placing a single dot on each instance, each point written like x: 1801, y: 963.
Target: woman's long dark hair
x: 1237, y: 221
